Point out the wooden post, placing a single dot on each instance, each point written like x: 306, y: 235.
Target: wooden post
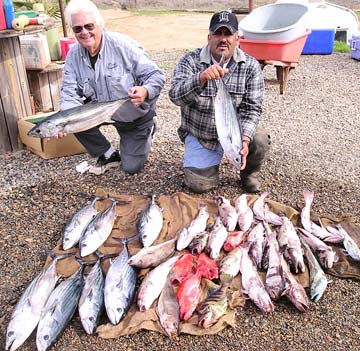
x: 251, y: 5
x: 63, y: 21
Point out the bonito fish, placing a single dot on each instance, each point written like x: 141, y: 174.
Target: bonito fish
x: 77, y: 224
x: 152, y: 256
x: 227, y: 213
x: 245, y: 213
x: 59, y: 310
x: 150, y: 223
x: 27, y: 312
x: 98, y: 230
x: 228, y: 126
x: 318, y: 280
x: 290, y: 245
x: 91, y: 303
x: 119, y: 289
x: 76, y: 119
x: 197, y: 226
x: 168, y: 310
x: 153, y: 283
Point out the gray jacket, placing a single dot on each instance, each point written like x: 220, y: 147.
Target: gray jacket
x: 121, y: 64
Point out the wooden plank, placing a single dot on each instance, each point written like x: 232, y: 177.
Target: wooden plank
x: 55, y: 80
x: 39, y: 87
x: 5, y: 144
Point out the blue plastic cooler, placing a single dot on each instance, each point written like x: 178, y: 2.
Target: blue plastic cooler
x: 355, y: 46
x: 319, y: 42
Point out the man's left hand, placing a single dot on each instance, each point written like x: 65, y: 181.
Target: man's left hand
x: 244, y: 152
x: 137, y: 95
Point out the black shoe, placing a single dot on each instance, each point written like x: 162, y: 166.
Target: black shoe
x: 250, y: 184
x: 104, y: 164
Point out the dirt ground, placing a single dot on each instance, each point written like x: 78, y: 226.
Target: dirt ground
x: 161, y: 33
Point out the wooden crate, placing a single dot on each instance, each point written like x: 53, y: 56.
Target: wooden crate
x: 45, y: 87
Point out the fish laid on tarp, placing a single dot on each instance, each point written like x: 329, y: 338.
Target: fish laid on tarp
x: 207, y: 267
x: 27, y: 312
x: 198, y: 225
x: 76, y: 119
x: 198, y: 244
x: 77, y: 224
x: 230, y: 264
x: 217, y: 238
x: 256, y: 242
x: 318, y: 280
x: 245, y: 213
x: 227, y: 213
x: 59, y: 310
x: 153, y: 283
x: 227, y: 125
x: 252, y: 284
x: 184, y: 266
x: 91, y: 303
x: 168, y: 310
x: 152, y: 256
x: 290, y: 245
x: 294, y: 291
x: 119, y: 289
x: 234, y: 240
x: 262, y: 211
x: 349, y: 244
x: 98, y: 230
x: 214, y: 307
x: 150, y: 223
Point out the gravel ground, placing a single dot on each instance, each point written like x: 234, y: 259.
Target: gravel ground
x: 315, y: 145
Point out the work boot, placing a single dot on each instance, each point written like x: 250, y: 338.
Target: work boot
x: 104, y: 164
x: 201, y: 180
x: 250, y: 183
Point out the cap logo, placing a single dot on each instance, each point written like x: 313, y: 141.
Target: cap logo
x: 224, y: 17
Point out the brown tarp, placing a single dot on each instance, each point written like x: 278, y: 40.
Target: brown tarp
x: 179, y: 210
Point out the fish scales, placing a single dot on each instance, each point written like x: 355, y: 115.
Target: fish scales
x: 76, y: 119
x: 59, y: 310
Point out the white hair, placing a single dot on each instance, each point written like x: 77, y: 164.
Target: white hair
x: 83, y: 6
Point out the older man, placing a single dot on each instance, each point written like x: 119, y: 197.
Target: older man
x: 106, y: 66
x: 194, y: 87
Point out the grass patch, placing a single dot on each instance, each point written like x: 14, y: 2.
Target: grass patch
x: 340, y: 46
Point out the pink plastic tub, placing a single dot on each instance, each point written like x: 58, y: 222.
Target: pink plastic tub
x: 286, y: 51
x: 65, y: 45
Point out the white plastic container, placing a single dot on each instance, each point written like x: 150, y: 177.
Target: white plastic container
x: 35, y: 50
x: 276, y: 22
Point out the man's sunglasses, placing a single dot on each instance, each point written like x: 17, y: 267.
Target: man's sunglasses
x: 87, y: 26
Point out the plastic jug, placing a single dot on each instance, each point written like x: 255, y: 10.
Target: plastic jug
x: 9, y: 13
x: 53, y: 42
x: 65, y: 45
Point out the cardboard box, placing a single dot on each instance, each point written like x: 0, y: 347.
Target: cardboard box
x: 47, y: 148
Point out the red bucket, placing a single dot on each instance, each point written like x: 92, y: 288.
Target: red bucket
x: 65, y: 45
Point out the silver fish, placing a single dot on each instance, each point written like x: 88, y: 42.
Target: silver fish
x: 256, y: 242
x: 168, y: 310
x: 91, y: 303
x: 77, y: 224
x: 294, y: 291
x: 227, y: 125
x: 245, y: 213
x: 27, y: 312
x: 227, y: 213
x: 152, y: 256
x: 263, y: 213
x: 59, y: 310
x: 217, y: 238
x: 153, y: 283
x: 150, y: 223
x: 76, y: 119
x: 198, y: 225
x: 98, y: 230
x: 119, y: 289
x: 318, y: 280
x: 290, y: 244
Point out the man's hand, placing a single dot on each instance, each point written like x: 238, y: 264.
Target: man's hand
x: 244, y: 152
x: 138, y: 95
x: 213, y: 72
x: 60, y: 135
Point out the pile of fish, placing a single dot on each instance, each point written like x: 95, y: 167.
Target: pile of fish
x: 239, y: 239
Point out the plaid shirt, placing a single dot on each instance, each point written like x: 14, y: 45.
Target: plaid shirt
x: 244, y: 82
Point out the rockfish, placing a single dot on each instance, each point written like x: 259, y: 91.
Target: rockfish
x: 198, y: 244
x: 234, y: 240
x: 263, y: 213
x: 217, y: 238
x: 150, y: 223
x: 76, y: 119
x: 245, y: 213
x: 198, y: 225
x: 227, y: 213
x: 256, y: 242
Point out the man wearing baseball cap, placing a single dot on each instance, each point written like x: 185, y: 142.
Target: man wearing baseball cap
x: 194, y: 86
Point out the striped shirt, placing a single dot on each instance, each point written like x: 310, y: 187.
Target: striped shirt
x: 244, y: 82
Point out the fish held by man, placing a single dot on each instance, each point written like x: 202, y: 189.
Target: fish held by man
x: 76, y: 119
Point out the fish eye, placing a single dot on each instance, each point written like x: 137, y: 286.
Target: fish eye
x: 10, y: 333
x: 91, y: 319
x: 46, y: 337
